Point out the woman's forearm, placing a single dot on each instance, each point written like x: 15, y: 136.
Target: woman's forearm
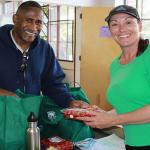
x: 138, y: 116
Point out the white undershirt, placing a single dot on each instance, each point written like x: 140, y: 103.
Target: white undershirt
x: 18, y: 47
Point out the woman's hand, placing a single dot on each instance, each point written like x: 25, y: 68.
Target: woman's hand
x: 99, y: 119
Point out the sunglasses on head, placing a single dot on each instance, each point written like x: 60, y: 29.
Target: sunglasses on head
x: 24, y: 64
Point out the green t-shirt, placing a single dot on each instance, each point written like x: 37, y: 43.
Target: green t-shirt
x: 129, y: 90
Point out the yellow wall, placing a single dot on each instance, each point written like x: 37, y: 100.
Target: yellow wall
x: 96, y: 55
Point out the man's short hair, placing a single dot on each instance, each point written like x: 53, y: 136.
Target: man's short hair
x: 26, y: 5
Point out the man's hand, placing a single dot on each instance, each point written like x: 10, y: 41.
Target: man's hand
x: 6, y: 93
x: 79, y: 104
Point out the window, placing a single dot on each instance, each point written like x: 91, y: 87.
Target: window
x: 44, y: 33
x: 10, y: 7
x: 61, y: 31
x: 144, y: 11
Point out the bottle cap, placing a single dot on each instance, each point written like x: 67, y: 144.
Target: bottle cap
x: 32, y: 117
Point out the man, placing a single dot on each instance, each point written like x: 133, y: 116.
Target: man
x: 28, y: 62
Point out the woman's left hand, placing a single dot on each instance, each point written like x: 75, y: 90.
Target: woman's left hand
x: 99, y: 119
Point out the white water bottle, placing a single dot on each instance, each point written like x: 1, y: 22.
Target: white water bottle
x: 33, y: 133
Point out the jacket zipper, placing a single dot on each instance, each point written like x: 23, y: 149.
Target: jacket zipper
x: 24, y: 85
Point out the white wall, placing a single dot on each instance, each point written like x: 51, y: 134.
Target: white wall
x: 78, y: 44
x: 1, y: 8
x: 87, y: 3
x: 82, y: 2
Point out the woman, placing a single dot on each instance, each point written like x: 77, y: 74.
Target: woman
x: 129, y: 88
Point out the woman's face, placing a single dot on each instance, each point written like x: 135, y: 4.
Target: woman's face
x: 125, y: 29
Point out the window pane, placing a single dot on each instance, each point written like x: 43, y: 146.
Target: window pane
x: 119, y: 2
x: 46, y: 12
x: 146, y: 9
x: 54, y: 46
x: 69, y: 52
x: 43, y: 35
x: 70, y: 32
x: 63, y: 13
x: 131, y: 3
x: 146, y: 29
x: 65, y: 52
x: 63, y: 31
x: 139, y: 7
x: 62, y: 51
x: 53, y: 32
x: 53, y: 13
x: 71, y: 13
x: 11, y: 7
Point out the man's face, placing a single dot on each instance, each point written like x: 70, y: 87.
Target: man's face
x: 27, y: 25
